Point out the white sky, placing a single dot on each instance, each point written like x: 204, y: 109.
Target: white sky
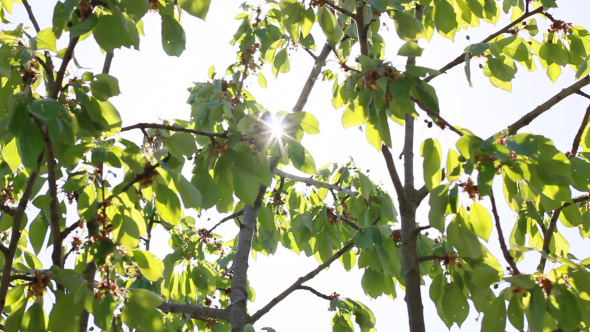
x: 154, y: 86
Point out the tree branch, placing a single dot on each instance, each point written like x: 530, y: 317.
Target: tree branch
x: 16, y: 233
x: 461, y: 58
x: 529, y: 117
x: 108, y: 60
x: 411, y: 262
x: 551, y: 228
x: 7, y: 209
x: 397, y: 183
x: 64, y: 65
x: 195, y: 311
x: 433, y: 258
x: 583, y: 94
x: 420, y: 195
x: 350, y: 223
x: 300, y: 282
x: 316, y: 293
x: 578, y: 137
x: 503, y: 246
x: 238, y: 315
x: 320, y: 61
x: 436, y: 117
x: 313, y: 182
x: 230, y: 217
x: 144, y: 126
x: 339, y: 9
x: 70, y: 229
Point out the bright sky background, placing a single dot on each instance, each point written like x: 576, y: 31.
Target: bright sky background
x: 154, y: 87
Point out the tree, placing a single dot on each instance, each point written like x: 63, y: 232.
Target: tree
x: 74, y: 187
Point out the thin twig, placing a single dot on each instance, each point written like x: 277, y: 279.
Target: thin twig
x: 578, y: 138
x: 503, y: 246
x: 529, y: 117
x: 313, y: 182
x: 583, y: 94
x: 461, y: 58
x: 300, y: 282
x: 230, y: 217
x: 195, y: 311
x: 433, y: 258
x: 70, y: 229
x: 315, y: 57
x: 31, y: 15
x: 64, y: 65
x: 548, y: 235
x: 144, y: 126
x: 436, y: 117
x: 350, y: 223
x: 417, y: 230
x: 339, y: 9
x: 316, y: 293
x: 393, y: 174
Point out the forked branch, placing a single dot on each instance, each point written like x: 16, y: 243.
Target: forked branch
x: 297, y: 284
x: 144, y: 126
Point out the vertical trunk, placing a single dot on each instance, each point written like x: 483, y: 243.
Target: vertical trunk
x: 238, y: 316
x: 410, y: 255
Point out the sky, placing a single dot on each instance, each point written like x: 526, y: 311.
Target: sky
x: 154, y: 87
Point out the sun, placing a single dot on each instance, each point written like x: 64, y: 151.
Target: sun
x: 276, y: 126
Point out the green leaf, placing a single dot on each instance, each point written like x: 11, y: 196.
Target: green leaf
x: 182, y: 143
x: 454, y: 303
x: 128, y: 228
x: 65, y: 313
x: 45, y: 109
x: 494, y: 318
x: 197, y: 8
x: 104, y: 86
x: 410, y: 48
x: 502, y: 68
x: 445, y: 18
x: 173, y: 36
x: 168, y: 204
x: 30, y: 144
x: 554, y: 53
x: 45, y: 39
x: 38, y: 233
x: 584, y: 68
x: 145, y: 298
x: 84, y: 27
x: 330, y: 26
x: 191, y: 196
x: 136, y: 9
x: 261, y: 80
x: 10, y: 155
x: 34, y: 319
x: 463, y: 238
x: 536, y: 310
x: 373, y: 283
x: 151, y: 267
x: 407, y: 26
x: 432, y: 159
x: 480, y: 221
x: 115, y: 31
x: 363, y: 239
x: 281, y: 62
x: 438, y: 201
x: 515, y: 312
x: 309, y: 123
